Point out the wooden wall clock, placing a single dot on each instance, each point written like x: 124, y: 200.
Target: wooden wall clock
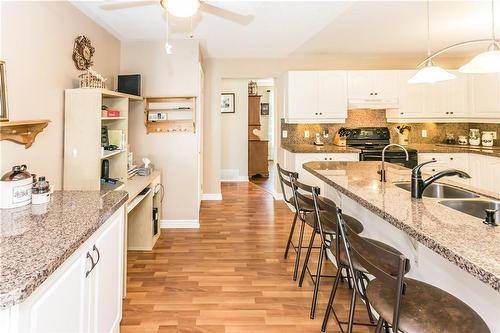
x: 83, y: 52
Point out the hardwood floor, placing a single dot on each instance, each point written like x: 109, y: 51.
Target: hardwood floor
x: 228, y: 276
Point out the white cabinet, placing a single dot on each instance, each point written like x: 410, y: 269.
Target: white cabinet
x: 83, y: 295
x: 445, y: 161
x: 316, y: 96
x: 372, y: 87
x: 411, y: 98
x: 485, y: 172
x: 485, y: 95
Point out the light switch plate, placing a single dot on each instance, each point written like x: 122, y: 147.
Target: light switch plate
x: 284, y: 134
x: 424, y: 133
x: 306, y: 134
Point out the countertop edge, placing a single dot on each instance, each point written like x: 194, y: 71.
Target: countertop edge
x: 18, y: 295
x: 478, y: 272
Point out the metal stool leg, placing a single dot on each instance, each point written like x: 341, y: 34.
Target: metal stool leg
x: 318, y: 278
x: 306, y: 259
x: 351, y: 311
x: 299, y: 250
x: 329, y: 306
x: 292, y: 229
x: 368, y: 308
x: 380, y: 323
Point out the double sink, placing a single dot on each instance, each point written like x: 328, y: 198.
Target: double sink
x: 459, y: 199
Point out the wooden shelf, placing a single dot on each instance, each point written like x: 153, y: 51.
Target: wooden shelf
x: 110, y: 153
x: 113, y: 118
x: 173, y: 107
x: 23, y: 132
x: 106, y: 93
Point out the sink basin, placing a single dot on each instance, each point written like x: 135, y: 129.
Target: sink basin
x: 474, y: 207
x: 441, y: 191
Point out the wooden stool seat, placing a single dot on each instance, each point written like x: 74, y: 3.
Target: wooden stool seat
x: 425, y: 309
x: 329, y: 224
x: 357, y: 266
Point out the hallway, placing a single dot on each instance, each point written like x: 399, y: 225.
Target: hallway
x: 228, y: 276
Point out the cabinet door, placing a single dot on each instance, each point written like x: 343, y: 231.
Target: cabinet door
x: 61, y: 303
x: 458, y: 98
x: 484, y: 92
x: 360, y: 85
x: 302, y: 95
x: 332, y: 94
x: 411, y: 96
x: 106, y: 289
x: 385, y: 84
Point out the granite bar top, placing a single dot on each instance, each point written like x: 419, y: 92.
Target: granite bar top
x: 310, y: 148
x: 460, y: 238
x: 36, y: 239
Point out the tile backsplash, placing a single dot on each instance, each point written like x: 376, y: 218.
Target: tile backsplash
x: 436, y: 132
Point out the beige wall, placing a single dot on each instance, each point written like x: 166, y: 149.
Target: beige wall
x: 234, y: 132
x: 37, y: 43
x: 175, y: 153
x: 216, y: 69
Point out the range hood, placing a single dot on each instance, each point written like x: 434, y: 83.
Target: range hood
x: 373, y: 103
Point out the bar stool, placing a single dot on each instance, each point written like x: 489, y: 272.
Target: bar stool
x: 326, y: 228
x: 328, y: 208
x: 285, y: 182
x: 408, y: 305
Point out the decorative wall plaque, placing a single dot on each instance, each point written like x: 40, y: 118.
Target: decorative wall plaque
x: 83, y: 52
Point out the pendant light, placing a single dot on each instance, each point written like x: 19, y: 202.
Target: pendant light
x: 430, y: 73
x: 489, y: 61
x: 168, y: 46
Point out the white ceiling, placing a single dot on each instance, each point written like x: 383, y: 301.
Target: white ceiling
x: 287, y: 28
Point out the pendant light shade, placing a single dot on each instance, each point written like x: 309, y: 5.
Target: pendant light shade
x: 181, y: 8
x: 486, y: 62
x: 430, y: 74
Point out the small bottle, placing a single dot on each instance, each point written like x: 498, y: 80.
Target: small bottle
x: 41, y: 186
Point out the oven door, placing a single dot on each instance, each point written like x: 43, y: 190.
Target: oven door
x: 397, y: 158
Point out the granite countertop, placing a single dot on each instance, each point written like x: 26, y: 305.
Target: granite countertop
x: 310, y: 148
x: 445, y: 148
x: 36, y: 239
x: 460, y: 238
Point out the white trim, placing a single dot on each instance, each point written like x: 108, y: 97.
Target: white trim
x: 174, y: 224
x: 211, y: 196
x: 277, y: 196
x: 239, y: 179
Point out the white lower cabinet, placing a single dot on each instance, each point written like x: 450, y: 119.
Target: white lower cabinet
x: 83, y: 295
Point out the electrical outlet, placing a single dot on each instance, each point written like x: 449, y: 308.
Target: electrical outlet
x: 306, y: 134
x: 424, y: 133
x: 284, y: 134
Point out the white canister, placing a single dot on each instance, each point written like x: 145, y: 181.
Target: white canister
x: 15, y: 188
x: 41, y: 198
x: 487, y: 139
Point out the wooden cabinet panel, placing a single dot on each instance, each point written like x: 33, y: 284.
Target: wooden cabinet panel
x: 254, y: 110
x: 257, y: 158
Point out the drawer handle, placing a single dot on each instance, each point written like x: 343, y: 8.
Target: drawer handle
x: 451, y: 158
x: 94, y: 248
x: 92, y: 266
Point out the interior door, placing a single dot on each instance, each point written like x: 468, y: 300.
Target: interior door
x: 106, y: 293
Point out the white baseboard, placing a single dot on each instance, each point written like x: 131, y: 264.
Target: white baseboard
x: 178, y: 224
x: 278, y: 196
x: 211, y: 196
x: 239, y: 179
x: 232, y: 175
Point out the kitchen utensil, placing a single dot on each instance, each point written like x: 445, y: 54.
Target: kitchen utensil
x: 462, y: 140
x: 474, y: 139
x: 487, y: 139
x: 105, y: 169
x: 15, y: 187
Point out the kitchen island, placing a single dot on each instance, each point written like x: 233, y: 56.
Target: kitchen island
x: 449, y: 249
x: 61, y: 259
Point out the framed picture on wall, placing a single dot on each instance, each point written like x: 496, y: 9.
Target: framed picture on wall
x: 264, y: 109
x: 227, y: 103
x: 4, y: 112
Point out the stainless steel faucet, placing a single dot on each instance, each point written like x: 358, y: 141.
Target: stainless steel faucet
x: 382, y: 166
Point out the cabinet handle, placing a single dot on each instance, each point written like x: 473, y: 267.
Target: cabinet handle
x: 451, y: 112
x: 447, y: 112
x: 92, y: 262
x: 371, y: 94
x: 94, y: 248
x: 433, y: 158
x: 376, y: 94
x: 451, y: 158
x: 326, y: 159
x: 321, y: 113
x: 401, y: 113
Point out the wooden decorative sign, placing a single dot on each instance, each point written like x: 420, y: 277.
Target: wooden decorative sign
x: 83, y: 52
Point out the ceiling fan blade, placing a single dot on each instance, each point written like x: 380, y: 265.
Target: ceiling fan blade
x: 226, y: 14
x: 127, y: 5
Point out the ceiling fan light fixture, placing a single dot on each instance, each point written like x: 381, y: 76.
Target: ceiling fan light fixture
x: 431, y: 73
x: 181, y: 8
x: 486, y: 62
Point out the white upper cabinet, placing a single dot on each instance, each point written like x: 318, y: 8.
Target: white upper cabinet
x: 411, y: 98
x: 484, y: 95
x: 316, y: 96
x: 371, y: 87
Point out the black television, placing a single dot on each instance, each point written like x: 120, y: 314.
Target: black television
x: 130, y: 84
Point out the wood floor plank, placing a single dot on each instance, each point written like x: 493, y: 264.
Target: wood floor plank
x: 229, y: 276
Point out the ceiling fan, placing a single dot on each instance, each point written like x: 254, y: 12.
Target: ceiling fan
x: 183, y: 8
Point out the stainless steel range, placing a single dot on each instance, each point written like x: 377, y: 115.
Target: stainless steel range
x: 371, y: 141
